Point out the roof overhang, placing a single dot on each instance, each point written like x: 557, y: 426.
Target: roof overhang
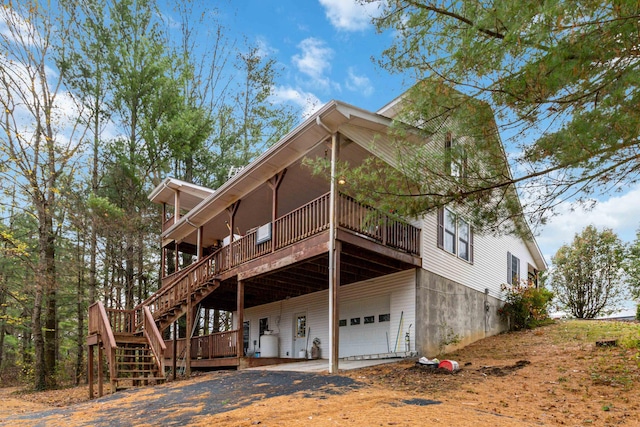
x: 315, y: 130
x: 190, y: 194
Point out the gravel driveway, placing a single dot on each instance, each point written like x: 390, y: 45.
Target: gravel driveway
x: 183, y: 402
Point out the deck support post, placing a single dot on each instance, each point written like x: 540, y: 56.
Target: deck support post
x: 90, y: 371
x: 274, y: 183
x: 177, y: 257
x: 190, y: 319
x: 100, y: 374
x: 174, y: 356
x: 163, y: 250
x: 334, y: 260
x: 240, y: 308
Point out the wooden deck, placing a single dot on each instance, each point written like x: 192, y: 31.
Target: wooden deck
x: 291, y: 261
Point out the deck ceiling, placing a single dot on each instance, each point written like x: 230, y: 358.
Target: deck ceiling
x: 312, y: 275
x: 298, y: 187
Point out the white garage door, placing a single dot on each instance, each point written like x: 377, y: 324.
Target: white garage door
x: 364, y: 326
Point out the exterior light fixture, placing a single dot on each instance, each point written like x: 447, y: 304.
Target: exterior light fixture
x: 342, y: 180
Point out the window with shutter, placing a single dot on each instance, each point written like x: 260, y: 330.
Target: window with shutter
x: 454, y: 234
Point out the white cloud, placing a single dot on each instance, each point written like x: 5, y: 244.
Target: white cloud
x: 314, y: 60
x: 619, y: 213
x: 264, y: 48
x: 357, y: 83
x: 308, y: 102
x: 350, y: 15
x: 13, y: 27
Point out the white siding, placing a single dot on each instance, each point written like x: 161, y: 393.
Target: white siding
x: 398, y: 289
x: 489, y: 269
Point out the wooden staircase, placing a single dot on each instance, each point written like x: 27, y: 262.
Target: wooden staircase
x: 192, y: 284
x: 135, y: 363
x: 132, y: 339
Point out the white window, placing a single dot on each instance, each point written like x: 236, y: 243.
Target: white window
x: 449, y: 231
x: 463, y: 239
x: 455, y: 157
x: 513, y: 269
x: 455, y: 235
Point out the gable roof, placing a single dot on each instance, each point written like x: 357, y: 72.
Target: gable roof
x: 191, y: 194
x: 359, y: 125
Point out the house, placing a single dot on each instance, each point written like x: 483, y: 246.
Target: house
x: 289, y: 259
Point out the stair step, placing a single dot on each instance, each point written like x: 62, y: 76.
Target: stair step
x: 147, y: 365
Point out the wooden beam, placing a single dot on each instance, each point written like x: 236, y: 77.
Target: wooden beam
x: 187, y: 356
x: 100, y: 374
x: 240, y: 308
x: 174, y: 363
x: 334, y: 334
x: 90, y: 371
x: 297, y: 252
x: 274, y: 183
x: 231, y: 210
x: 349, y: 237
x: 334, y: 279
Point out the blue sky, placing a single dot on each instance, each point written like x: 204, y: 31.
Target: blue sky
x: 324, y: 48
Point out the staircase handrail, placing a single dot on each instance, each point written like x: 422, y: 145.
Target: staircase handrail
x: 156, y: 343
x: 102, y: 327
x: 169, y: 288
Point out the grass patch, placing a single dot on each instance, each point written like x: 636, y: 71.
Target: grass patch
x: 615, y: 367
x: 590, y: 331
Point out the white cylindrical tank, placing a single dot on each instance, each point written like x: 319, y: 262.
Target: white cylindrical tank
x: 269, y: 346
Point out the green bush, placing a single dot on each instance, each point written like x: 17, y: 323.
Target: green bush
x: 526, y: 306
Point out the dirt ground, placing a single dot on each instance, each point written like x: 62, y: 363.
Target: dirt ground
x: 555, y: 375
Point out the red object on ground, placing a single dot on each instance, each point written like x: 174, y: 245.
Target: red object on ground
x: 450, y: 365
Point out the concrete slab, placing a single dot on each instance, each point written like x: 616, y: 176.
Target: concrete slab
x: 322, y: 365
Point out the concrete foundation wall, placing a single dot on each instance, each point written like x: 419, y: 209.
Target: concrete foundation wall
x: 447, y: 312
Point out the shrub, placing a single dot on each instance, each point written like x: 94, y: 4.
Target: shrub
x: 526, y: 306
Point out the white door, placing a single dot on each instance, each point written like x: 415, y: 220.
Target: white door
x: 299, y: 335
x: 364, y: 327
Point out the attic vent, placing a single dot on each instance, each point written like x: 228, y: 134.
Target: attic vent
x: 233, y: 171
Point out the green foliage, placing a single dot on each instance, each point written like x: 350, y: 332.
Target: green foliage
x: 587, y: 275
x: 632, y: 267
x: 447, y: 337
x: 561, y: 78
x: 525, y: 306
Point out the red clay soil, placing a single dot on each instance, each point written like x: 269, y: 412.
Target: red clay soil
x: 554, y: 375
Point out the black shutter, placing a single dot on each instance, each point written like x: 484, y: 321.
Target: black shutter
x: 440, y: 230
x: 470, y: 244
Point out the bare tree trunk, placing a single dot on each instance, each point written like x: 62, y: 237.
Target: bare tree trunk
x: 3, y: 312
x: 51, y: 314
x: 81, y: 309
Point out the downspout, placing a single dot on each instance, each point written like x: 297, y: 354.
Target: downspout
x: 322, y: 125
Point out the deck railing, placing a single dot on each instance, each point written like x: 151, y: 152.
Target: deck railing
x: 219, y: 344
x: 181, y: 289
x: 99, y: 325
x: 122, y: 321
x: 376, y: 225
x: 304, y: 222
x: 168, y: 223
x: 156, y: 343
